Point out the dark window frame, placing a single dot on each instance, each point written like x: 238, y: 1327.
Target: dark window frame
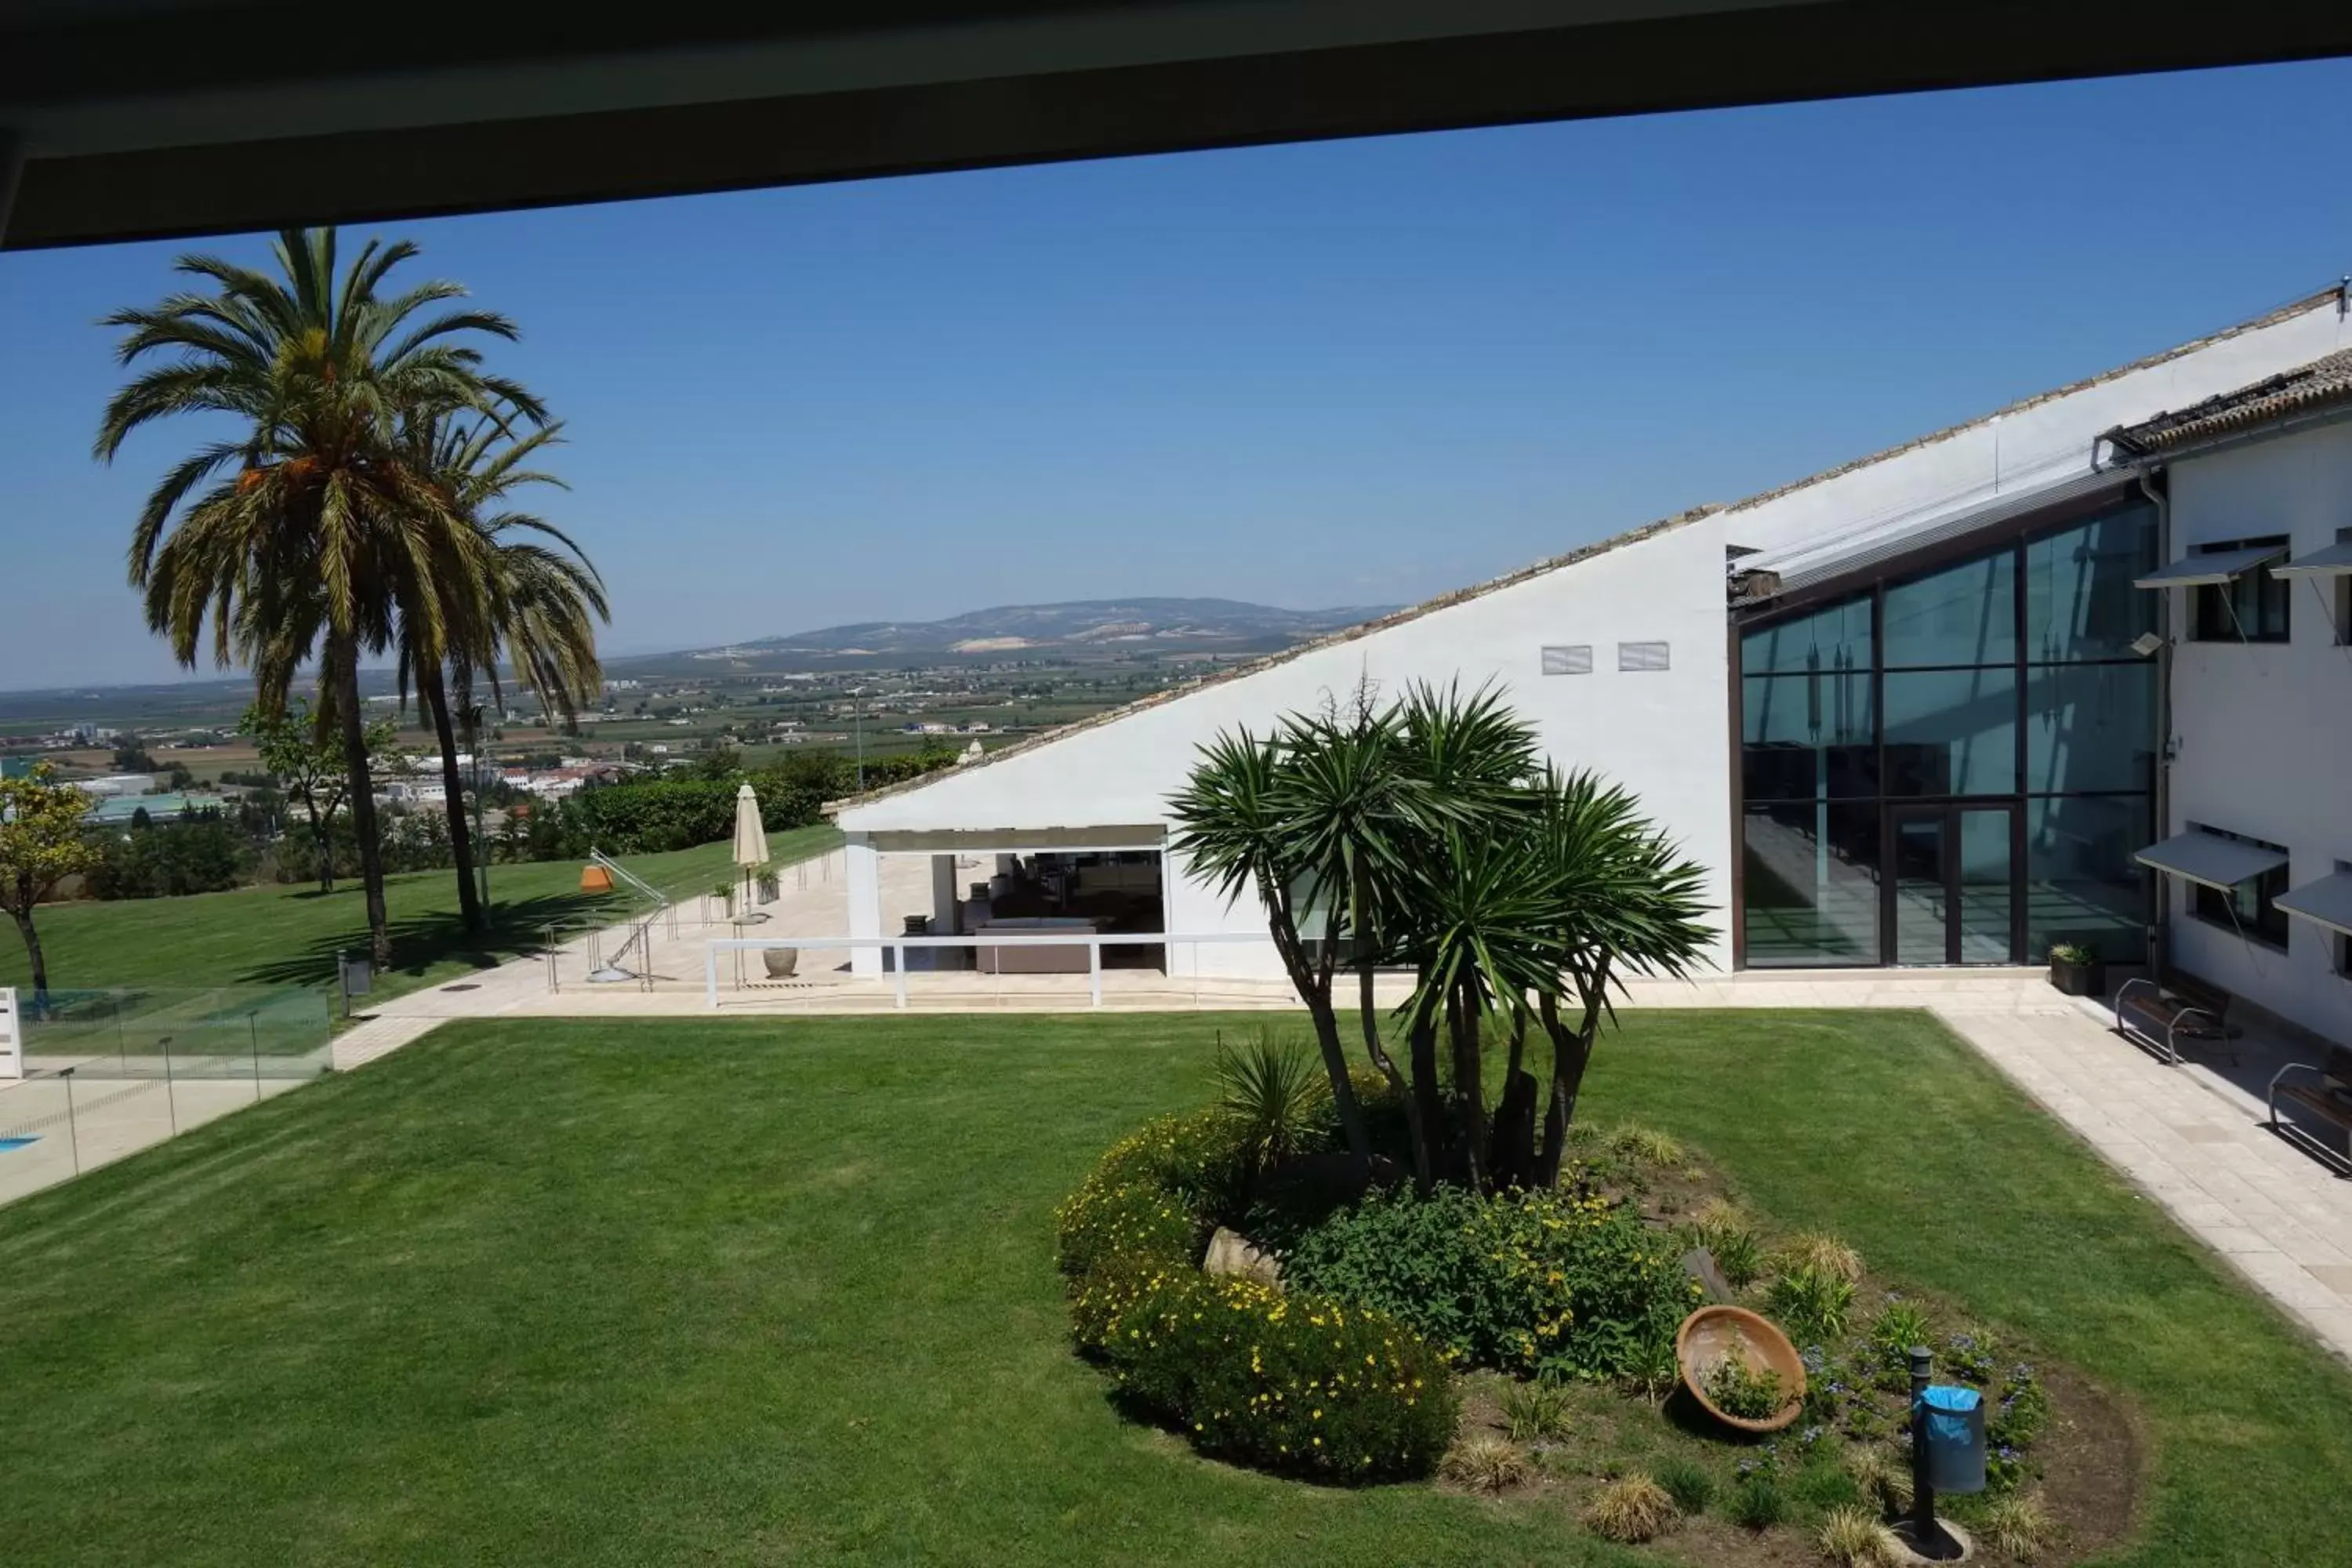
x: 1868, y: 586
x: 2267, y: 925
x: 2254, y: 607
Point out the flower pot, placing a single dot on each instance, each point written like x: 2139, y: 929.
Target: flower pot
x: 782, y: 962
x: 2079, y: 979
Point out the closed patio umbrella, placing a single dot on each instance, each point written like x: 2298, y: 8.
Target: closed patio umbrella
x: 750, y: 838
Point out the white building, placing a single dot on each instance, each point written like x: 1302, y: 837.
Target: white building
x: 2258, y: 485
x: 1907, y: 712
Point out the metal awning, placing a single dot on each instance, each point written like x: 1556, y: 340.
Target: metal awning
x: 2213, y: 566
x: 2327, y: 902
x: 2211, y: 859
x: 2335, y: 561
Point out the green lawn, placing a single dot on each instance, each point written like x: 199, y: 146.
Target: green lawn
x: 764, y: 1292
x: 289, y: 936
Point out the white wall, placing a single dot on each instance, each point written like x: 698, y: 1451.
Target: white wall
x: 2043, y: 443
x: 2264, y: 730
x: 1665, y: 735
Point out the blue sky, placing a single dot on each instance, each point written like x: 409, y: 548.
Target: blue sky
x: 1341, y: 374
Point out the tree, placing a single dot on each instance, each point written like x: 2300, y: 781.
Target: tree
x: 1231, y: 826
x: 303, y: 540
x: 1427, y: 835
x: 310, y: 768
x: 41, y: 843
x: 534, y: 606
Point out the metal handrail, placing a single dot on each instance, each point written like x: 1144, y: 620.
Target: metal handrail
x: 1093, y: 941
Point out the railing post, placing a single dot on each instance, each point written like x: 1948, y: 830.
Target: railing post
x: 171, y: 1096
x: 710, y: 977
x: 1094, y: 968
x: 73, y: 1128
x: 898, y: 958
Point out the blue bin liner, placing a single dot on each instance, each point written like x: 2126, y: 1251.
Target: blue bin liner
x: 1955, y: 1421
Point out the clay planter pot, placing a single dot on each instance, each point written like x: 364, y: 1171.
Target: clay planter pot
x: 1711, y: 1334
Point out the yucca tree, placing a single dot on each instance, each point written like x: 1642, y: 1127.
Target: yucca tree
x: 308, y: 535
x: 1232, y: 828
x: 1626, y: 902
x: 537, y: 603
x: 1426, y: 834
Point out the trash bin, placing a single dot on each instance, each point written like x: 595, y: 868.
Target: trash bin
x: 1955, y: 1429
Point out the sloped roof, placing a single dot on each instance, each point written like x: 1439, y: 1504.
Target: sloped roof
x: 1584, y: 553
x: 2324, y: 382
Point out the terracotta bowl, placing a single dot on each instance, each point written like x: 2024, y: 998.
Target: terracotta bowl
x: 1711, y: 1334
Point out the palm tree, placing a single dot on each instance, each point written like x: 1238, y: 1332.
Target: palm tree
x: 537, y: 606
x: 311, y: 535
x: 1626, y: 902
x: 1232, y: 828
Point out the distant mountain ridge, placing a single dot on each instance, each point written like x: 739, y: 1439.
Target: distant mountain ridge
x: 1096, y: 625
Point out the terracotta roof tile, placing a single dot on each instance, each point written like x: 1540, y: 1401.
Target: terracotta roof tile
x: 2323, y: 383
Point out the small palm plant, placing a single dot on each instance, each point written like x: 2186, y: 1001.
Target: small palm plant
x: 1273, y: 1089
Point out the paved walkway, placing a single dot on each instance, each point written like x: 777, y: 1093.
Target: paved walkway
x: 2193, y: 1142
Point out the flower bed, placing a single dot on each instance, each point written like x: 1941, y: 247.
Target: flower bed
x: 1293, y: 1382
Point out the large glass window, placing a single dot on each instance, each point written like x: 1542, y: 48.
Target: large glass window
x: 2090, y: 727
x: 1958, y: 718
x: 2079, y: 598
x: 1951, y: 732
x: 1962, y: 615
x: 1837, y: 638
x: 1807, y: 735
x: 2081, y: 883
x: 1810, y: 884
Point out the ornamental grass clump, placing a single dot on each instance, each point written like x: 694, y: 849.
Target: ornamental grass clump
x: 1534, y: 1411
x: 1824, y: 1254
x: 1853, y: 1538
x: 2019, y: 1525
x: 1810, y: 1304
x: 1633, y: 1511
x: 1484, y: 1464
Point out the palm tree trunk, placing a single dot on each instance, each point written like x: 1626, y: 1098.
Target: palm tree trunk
x: 344, y: 654
x: 1469, y: 1092
x: 1571, y: 1053
x: 435, y: 697
x: 1416, y: 1126
x: 1283, y: 925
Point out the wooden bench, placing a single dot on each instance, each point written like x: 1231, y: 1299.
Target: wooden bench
x: 2330, y: 1100
x: 2160, y: 1014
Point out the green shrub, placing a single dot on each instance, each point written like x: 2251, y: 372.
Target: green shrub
x: 1275, y: 1091
x: 1812, y: 1304
x: 1294, y: 1384
x: 1531, y: 1283
x: 1743, y: 1388
x: 1534, y: 1411
x: 1899, y: 1327
x: 1757, y: 1502
x: 1737, y: 1250
x: 1688, y: 1484
x: 1297, y: 1383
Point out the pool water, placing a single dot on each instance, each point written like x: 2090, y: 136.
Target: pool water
x: 8, y: 1143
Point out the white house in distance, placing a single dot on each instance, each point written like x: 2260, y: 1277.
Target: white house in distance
x: 1913, y: 710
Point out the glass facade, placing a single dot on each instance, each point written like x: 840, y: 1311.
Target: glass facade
x: 1955, y: 765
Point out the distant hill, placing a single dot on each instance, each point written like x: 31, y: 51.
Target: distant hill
x: 1082, y: 629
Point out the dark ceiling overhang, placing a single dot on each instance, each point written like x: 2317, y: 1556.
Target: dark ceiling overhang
x: 142, y: 119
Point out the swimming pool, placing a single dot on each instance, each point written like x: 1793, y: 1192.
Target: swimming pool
x: 8, y: 1143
